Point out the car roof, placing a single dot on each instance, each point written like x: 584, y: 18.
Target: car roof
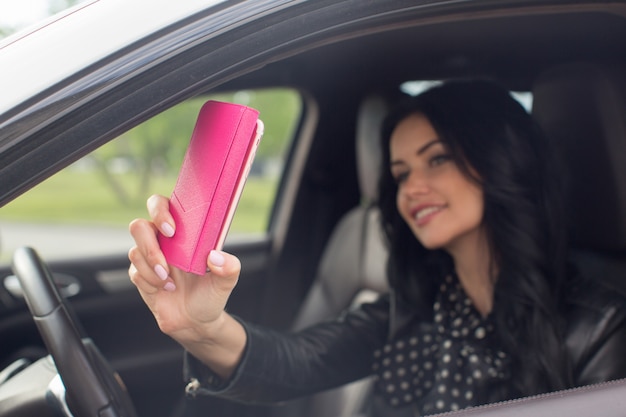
x: 42, y: 55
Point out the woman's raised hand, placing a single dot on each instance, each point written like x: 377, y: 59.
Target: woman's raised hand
x: 187, y: 307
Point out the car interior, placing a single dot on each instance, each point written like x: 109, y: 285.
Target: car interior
x: 578, y: 97
x: 323, y: 251
x: 581, y: 106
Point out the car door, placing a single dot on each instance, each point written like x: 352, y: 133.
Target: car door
x: 78, y: 222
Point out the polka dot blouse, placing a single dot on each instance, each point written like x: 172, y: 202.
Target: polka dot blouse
x: 441, y: 369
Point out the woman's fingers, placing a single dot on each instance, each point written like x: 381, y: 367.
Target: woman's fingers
x: 155, y: 276
x: 145, y: 235
x: 147, y: 256
x: 186, y: 306
x: 195, y: 307
x: 144, y: 286
x: 159, y: 211
x: 224, y: 269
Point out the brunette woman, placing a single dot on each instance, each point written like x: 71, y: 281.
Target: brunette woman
x: 483, y: 306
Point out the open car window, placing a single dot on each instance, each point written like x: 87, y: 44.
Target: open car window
x: 84, y: 210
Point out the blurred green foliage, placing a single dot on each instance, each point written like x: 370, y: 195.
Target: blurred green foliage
x: 111, y: 185
x: 157, y: 147
x: 53, y: 7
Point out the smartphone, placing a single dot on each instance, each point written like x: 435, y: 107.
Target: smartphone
x: 211, y: 179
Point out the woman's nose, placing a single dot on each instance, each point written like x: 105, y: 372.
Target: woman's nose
x: 416, y: 184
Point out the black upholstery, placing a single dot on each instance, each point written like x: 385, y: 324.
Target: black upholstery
x: 582, y: 107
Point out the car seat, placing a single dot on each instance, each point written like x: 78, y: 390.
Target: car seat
x: 352, y: 266
x: 582, y: 108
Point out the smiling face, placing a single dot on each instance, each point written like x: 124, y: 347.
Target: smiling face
x: 442, y: 207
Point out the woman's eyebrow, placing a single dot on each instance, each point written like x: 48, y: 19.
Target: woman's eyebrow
x: 426, y: 146
x: 396, y: 163
x: 419, y: 152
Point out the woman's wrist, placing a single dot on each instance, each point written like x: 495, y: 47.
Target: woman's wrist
x: 219, y: 345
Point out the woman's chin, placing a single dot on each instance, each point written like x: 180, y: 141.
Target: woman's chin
x: 431, y: 243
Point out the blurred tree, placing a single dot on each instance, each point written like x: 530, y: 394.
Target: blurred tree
x: 157, y: 146
x: 55, y: 6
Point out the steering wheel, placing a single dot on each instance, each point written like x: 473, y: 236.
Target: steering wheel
x: 92, y: 388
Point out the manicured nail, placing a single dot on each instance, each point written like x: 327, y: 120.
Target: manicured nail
x: 161, y: 272
x: 167, y: 229
x: 169, y: 287
x: 216, y: 258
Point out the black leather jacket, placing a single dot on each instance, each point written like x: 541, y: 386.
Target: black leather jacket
x: 278, y: 366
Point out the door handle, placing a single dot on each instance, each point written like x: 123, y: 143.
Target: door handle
x: 68, y: 285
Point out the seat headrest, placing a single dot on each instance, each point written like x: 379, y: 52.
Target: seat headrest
x: 582, y: 108
x: 371, y: 115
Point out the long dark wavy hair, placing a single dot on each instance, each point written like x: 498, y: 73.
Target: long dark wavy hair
x: 489, y: 133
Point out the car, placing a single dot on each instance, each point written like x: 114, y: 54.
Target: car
x: 101, y: 77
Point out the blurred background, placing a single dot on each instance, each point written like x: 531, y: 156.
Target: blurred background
x: 84, y: 210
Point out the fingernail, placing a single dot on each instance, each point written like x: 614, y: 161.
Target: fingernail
x: 216, y: 258
x: 169, y: 287
x: 161, y: 272
x: 167, y: 229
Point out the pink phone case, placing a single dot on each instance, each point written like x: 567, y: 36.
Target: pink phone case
x: 210, y: 182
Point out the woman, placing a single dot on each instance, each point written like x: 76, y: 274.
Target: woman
x: 483, y: 307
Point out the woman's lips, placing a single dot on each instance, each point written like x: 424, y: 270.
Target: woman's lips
x: 423, y: 214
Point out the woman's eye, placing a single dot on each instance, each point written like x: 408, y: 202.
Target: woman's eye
x: 439, y: 159
x: 400, y: 177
